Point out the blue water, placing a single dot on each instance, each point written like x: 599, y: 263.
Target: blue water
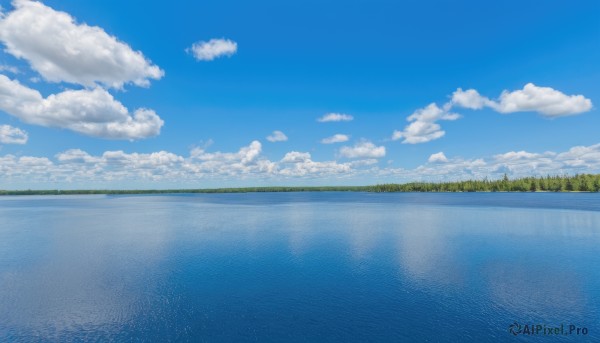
x: 310, y: 267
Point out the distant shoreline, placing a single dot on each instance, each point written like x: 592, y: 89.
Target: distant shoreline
x: 581, y: 183
x: 227, y: 191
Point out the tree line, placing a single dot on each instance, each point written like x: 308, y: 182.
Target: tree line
x: 576, y: 183
x: 565, y: 183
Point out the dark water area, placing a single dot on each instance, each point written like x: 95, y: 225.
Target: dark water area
x: 308, y: 267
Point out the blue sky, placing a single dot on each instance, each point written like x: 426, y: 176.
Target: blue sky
x: 205, y: 123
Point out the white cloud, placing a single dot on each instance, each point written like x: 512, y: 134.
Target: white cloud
x: 163, y: 168
x: 309, y: 168
x: 245, y: 162
x: 296, y: 157
x: 214, y: 48
x: 544, y: 100
x: 363, y: 149
x: 337, y: 138
x: 277, y: 136
x: 513, y: 156
x: 423, y: 127
x: 12, y: 135
x: 470, y: 99
x: 131, y: 169
x: 581, y: 157
x: 245, y: 154
x: 76, y: 156
x: 142, y: 161
x: 62, y: 50
x: 9, y: 69
x: 300, y: 164
x: 438, y: 158
x: 91, y: 112
x: 334, y: 117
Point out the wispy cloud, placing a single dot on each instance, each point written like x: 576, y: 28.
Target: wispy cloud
x: 214, y: 48
x: 277, y: 136
x: 337, y: 138
x: 9, y: 69
x: 335, y: 117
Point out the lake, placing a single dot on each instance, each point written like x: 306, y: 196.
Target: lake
x: 309, y: 267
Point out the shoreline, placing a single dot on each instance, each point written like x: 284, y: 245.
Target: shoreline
x: 235, y: 191
x: 579, y: 183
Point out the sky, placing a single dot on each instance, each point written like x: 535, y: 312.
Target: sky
x: 148, y: 94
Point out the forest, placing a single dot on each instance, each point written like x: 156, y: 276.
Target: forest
x: 576, y: 183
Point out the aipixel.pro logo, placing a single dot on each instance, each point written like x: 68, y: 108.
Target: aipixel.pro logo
x: 546, y: 330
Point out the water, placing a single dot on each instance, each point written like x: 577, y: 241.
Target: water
x: 298, y: 267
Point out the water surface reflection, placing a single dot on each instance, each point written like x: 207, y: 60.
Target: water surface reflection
x: 295, y: 267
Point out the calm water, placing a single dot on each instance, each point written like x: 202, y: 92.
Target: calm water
x: 298, y: 267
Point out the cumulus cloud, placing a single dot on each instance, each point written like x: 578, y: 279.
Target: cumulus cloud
x: 162, y: 167
x: 470, y: 99
x: 303, y: 166
x: 277, y: 136
x: 296, y: 157
x: 437, y: 158
x: 544, y: 100
x: 363, y: 149
x: 248, y: 162
x: 91, y: 112
x: 423, y: 127
x: 76, y: 156
x: 337, y: 138
x: 62, y: 50
x: 581, y: 157
x: 141, y: 161
x: 12, y: 135
x: 334, y: 117
x: 76, y: 165
x: 513, y: 156
x: 214, y: 48
x: 246, y: 155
